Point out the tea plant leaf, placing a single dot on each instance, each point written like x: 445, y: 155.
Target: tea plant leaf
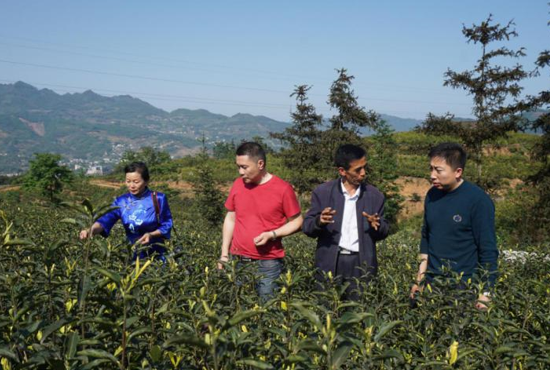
x: 102, y: 213
x: 255, y: 363
x: 349, y: 318
x: 88, y: 206
x: 69, y: 220
x: 340, y: 355
x: 95, y: 363
x: 16, y: 242
x: 386, y: 328
x: 139, y: 332
x: 156, y: 353
x: 504, y: 349
x: 390, y: 353
x: 189, y: 339
x: 53, y: 327
x: 9, y: 354
x: 115, y: 277
x: 243, y: 315
x: 310, y: 345
x: 308, y: 314
x: 98, y: 353
x: 295, y: 359
x: 72, y: 345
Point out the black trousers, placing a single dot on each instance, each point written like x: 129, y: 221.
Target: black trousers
x: 348, y: 270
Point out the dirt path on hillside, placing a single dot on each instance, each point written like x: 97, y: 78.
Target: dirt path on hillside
x: 105, y: 184
x: 5, y: 188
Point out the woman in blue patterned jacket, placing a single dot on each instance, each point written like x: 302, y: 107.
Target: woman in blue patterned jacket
x: 145, y: 215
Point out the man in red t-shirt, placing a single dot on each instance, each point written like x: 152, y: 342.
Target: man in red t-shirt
x: 261, y: 209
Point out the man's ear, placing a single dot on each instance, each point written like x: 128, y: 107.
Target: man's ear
x: 261, y: 164
x: 341, y: 171
x: 459, y: 172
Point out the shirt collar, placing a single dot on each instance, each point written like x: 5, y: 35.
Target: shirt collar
x: 145, y: 193
x: 345, y: 191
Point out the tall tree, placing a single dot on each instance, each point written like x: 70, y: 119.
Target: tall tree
x: 349, y: 119
x: 495, y: 90
x: 302, y: 152
x: 47, y: 175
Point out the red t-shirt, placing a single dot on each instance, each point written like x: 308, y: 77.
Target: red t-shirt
x: 260, y: 208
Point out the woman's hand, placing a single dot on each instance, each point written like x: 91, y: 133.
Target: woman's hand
x: 94, y: 230
x: 145, y: 239
x: 84, y: 234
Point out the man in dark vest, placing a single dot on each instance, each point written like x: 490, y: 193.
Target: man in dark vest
x: 347, y: 218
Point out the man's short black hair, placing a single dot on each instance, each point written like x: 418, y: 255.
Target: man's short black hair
x: 138, y: 167
x: 348, y: 153
x: 452, y: 153
x: 252, y: 150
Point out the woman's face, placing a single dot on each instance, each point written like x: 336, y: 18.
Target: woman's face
x: 135, y: 183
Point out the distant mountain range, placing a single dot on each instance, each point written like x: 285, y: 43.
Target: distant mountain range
x: 88, y: 128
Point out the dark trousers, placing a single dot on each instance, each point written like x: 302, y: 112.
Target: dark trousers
x: 348, y: 270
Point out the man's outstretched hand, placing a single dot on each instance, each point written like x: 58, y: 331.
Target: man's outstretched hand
x: 327, y: 216
x: 374, y: 220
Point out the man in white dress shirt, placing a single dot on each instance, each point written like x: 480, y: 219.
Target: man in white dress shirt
x: 347, y: 218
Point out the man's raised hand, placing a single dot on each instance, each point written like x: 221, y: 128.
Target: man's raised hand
x: 327, y: 216
x: 374, y: 220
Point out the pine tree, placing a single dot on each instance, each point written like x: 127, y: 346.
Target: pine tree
x: 350, y: 118
x: 495, y: 90
x: 302, y: 152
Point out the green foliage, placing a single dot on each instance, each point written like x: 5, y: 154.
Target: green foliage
x: 382, y: 169
x: 350, y: 117
x: 47, y: 175
x: 62, y: 308
x: 208, y: 199
x: 153, y: 158
x: 224, y: 150
x: 302, y: 141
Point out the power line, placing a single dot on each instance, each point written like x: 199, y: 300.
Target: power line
x: 208, y: 84
x: 140, y: 77
x: 151, y: 96
x: 274, y: 73
x: 190, y: 99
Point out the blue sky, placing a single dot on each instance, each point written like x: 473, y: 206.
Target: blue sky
x: 247, y: 56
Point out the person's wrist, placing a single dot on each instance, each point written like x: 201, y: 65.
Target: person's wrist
x: 274, y: 235
x: 318, y: 221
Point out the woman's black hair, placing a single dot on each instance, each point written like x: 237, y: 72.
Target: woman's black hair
x: 138, y: 167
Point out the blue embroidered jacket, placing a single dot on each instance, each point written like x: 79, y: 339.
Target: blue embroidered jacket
x: 138, y: 217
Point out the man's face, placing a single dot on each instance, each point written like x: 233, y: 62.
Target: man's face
x: 443, y: 176
x: 250, y: 169
x: 356, y: 173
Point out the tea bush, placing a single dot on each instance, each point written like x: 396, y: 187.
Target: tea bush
x: 71, y: 304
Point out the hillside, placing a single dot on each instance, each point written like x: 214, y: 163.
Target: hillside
x: 88, y: 128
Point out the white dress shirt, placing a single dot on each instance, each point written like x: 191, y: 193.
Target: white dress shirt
x: 349, y: 236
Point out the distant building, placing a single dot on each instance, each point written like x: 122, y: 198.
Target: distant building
x: 94, y: 170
